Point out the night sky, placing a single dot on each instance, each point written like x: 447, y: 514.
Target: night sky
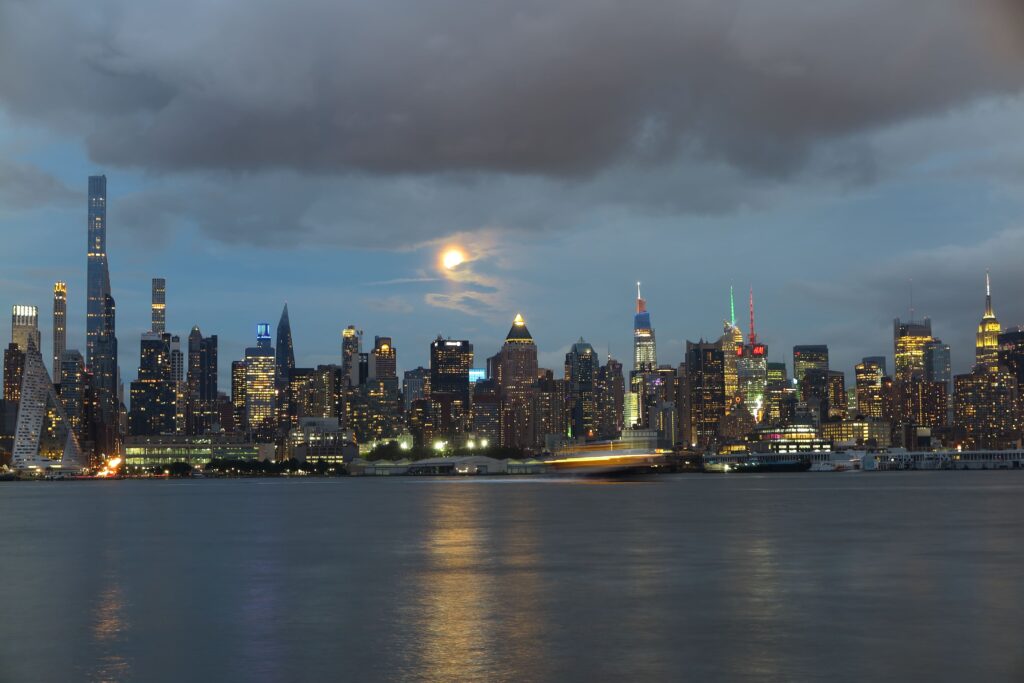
x: 324, y: 153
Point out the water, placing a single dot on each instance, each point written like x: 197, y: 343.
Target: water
x: 840, y: 577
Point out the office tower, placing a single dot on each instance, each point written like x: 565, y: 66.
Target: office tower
x: 1011, y: 353
x: 351, y: 347
x: 14, y: 368
x: 515, y: 370
x: 880, y: 361
x: 807, y: 357
x: 645, y: 353
x: 260, y: 370
x: 450, y: 362
x: 158, y: 306
x: 106, y: 383
x: 551, y: 413
x: 285, y: 358
x: 153, y: 394
x: 238, y: 393
x: 909, y: 341
x: 98, y: 274
x: 731, y: 343
x: 326, y: 393
x: 486, y: 418
x: 837, y: 404
x: 987, y: 340
x: 611, y: 399
x: 775, y: 393
x: 202, y: 381
x: 937, y: 366
x: 43, y: 429
x: 815, y: 393
x: 986, y: 408
x: 177, y: 359
x: 60, y: 325
x: 705, y: 394
x: 74, y: 391
x: 383, y: 360
x: 752, y: 370
x: 415, y: 386
x: 297, y: 397
x: 581, y: 383
x: 868, y: 376
x: 25, y: 327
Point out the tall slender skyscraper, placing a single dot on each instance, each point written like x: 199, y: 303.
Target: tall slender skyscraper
x: 645, y: 354
x: 158, y: 307
x: 98, y: 275
x: 60, y: 326
x: 987, y: 340
x: 285, y: 359
x: 260, y: 365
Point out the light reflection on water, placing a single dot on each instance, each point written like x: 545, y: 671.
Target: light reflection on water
x: 873, y: 577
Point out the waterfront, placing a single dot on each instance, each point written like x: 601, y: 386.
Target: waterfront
x: 886, y: 576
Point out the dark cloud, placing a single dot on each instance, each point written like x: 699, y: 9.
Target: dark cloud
x: 24, y: 186
x: 532, y: 87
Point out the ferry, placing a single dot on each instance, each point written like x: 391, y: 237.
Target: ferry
x: 757, y: 462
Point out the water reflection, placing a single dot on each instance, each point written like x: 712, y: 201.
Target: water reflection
x: 109, y: 628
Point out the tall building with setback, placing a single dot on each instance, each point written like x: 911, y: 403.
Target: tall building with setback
x: 383, y: 359
x: 351, y: 347
x: 808, y: 357
x: 153, y: 397
x: 582, y: 368
x: 731, y: 343
x: 987, y: 340
x: 909, y: 341
x: 158, y: 306
x: 260, y: 370
x: 514, y: 369
x: 705, y: 393
x: 450, y: 390
x: 285, y: 350
x: 868, y: 376
x: 202, y: 382
x: 60, y: 326
x: 25, y: 326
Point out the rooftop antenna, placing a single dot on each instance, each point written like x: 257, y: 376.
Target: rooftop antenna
x: 753, y: 334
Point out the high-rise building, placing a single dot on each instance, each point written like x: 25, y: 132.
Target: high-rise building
x: 260, y: 370
x: 202, y: 382
x: 937, y: 364
x: 177, y: 359
x: 14, y: 368
x: 880, y: 361
x: 705, y: 393
x: 836, y: 395
x: 158, y: 306
x: 731, y: 343
x: 74, y: 392
x: 60, y: 326
x: 238, y: 393
x: 986, y: 408
x: 154, y: 402
x: 107, y: 389
x: 285, y: 349
x: 868, y: 379
x: 384, y: 359
x: 581, y: 384
x: 450, y: 362
x: 43, y: 430
x: 645, y: 352
x: 514, y: 369
x: 909, y: 340
x: 415, y: 386
x: 808, y: 357
x: 25, y: 327
x: 98, y: 274
x: 775, y: 393
x: 351, y: 347
x: 611, y: 399
x: 987, y: 341
x: 1011, y: 353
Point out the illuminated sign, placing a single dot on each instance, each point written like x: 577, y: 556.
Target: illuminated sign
x: 739, y: 350
x: 263, y: 331
x: 477, y: 375
x: 760, y: 349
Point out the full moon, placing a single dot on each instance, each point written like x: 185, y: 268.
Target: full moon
x: 452, y: 258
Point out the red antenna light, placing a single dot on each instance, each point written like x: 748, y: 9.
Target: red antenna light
x: 753, y: 334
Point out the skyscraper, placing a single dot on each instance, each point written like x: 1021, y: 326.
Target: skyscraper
x: 43, y: 429
x: 153, y: 398
x: 868, y: 379
x: 25, y: 327
x: 106, y: 383
x: 74, y: 392
x: 987, y: 340
x: 515, y: 370
x: 60, y: 326
x: 98, y: 274
x: 807, y: 357
x: 238, y: 393
x: 202, y: 382
x: 450, y: 362
x: 158, y: 306
x: 351, y: 346
x: 581, y: 382
x: 645, y: 352
x: 731, y: 343
x: 909, y: 341
x: 285, y: 358
x: 705, y: 393
x: 260, y: 370
x: 384, y: 359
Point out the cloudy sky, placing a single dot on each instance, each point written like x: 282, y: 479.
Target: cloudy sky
x: 324, y: 152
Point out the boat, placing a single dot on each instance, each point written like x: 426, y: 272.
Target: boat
x: 757, y: 462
